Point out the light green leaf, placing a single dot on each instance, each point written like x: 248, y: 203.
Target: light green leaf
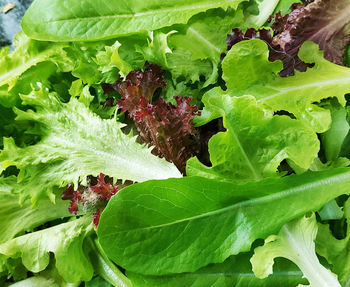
x: 110, y: 60
x: 181, y: 225
x: 27, y: 54
x: 247, y: 71
x: 255, y: 142
x: 204, y: 38
x: 76, y: 143
x: 295, y: 241
x: 16, y: 218
x: 157, y: 49
x: 64, y: 240
x: 72, y: 20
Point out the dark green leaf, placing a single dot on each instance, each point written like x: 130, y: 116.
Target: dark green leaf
x: 180, y: 225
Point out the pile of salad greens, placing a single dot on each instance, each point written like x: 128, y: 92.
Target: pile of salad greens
x: 176, y: 143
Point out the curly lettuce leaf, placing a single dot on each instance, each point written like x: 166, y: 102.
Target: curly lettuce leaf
x: 203, y: 39
x: 65, y: 241
x: 296, y: 94
x: 16, y: 218
x: 75, y: 143
x: 27, y: 55
x: 255, y: 142
x: 295, y: 242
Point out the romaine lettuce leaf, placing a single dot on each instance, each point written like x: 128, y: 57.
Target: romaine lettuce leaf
x: 181, y: 225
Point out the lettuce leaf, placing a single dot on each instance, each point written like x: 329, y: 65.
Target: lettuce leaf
x: 295, y: 242
x: 65, y: 241
x: 296, y: 94
x: 65, y: 20
x: 75, y: 143
x: 18, y: 218
x: 181, y: 225
x: 336, y: 250
x: 255, y: 142
x: 235, y: 271
x: 28, y: 54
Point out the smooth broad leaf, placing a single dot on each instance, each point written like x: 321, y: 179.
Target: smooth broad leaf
x: 180, y: 225
x: 64, y: 240
x: 235, y: 271
x: 247, y: 71
x: 16, y: 218
x: 76, y: 143
x: 295, y: 241
x: 72, y: 20
x: 255, y: 142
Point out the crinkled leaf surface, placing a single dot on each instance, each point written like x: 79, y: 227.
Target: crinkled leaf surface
x: 246, y: 70
x: 235, y: 271
x: 67, y: 20
x: 203, y: 39
x: 254, y: 143
x: 16, y: 218
x: 28, y: 53
x: 76, y: 143
x: 295, y: 242
x: 64, y: 240
x: 180, y: 225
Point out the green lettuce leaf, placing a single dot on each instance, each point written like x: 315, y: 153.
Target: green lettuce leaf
x: 76, y: 143
x: 255, y: 142
x: 204, y: 40
x: 68, y: 20
x: 336, y: 251
x: 16, y: 218
x: 247, y: 71
x: 235, y: 271
x: 180, y: 225
x: 265, y: 8
x: 65, y: 241
x: 295, y: 242
x: 27, y: 54
x: 333, y: 139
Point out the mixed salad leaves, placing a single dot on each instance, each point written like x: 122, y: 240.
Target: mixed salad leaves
x: 176, y: 143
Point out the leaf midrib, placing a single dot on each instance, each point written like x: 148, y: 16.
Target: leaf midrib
x: 301, y: 87
x: 322, y: 182
x: 151, y: 13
